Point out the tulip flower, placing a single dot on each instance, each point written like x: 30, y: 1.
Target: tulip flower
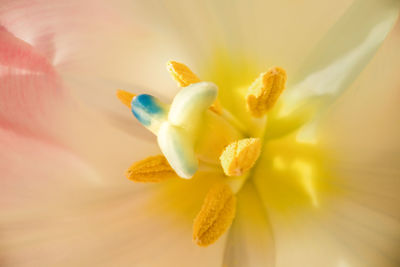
x: 275, y: 143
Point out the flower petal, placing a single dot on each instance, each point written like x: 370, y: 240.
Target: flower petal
x: 115, y: 226
x: 250, y: 242
x: 356, y: 221
x: 35, y: 171
x: 340, y: 56
x: 34, y: 102
x: 96, y: 46
x: 249, y: 38
x: 30, y: 88
x: 365, y: 118
x: 348, y: 216
x: 51, y: 199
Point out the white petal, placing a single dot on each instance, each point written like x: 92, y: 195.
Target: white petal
x: 356, y: 221
x: 341, y: 55
x: 105, y: 226
x: 250, y: 242
x: 366, y: 117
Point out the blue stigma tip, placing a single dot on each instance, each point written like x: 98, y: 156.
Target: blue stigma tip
x: 145, y: 107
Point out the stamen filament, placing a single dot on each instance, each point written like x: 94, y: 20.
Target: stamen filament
x: 234, y: 121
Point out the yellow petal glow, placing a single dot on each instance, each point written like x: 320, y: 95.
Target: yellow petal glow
x: 125, y: 97
x: 305, y: 172
x: 151, y: 170
x: 240, y: 156
x: 216, y: 215
x: 265, y: 91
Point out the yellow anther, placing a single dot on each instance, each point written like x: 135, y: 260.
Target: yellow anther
x: 151, y: 170
x: 240, y: 156
x: 265, y: 91
x: 215, y: 216
x: 125, y: 97
x: 181, y: 73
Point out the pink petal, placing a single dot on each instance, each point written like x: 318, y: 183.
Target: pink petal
x: 30, y: 88
x: 35, y: 103
x: 15, y: 53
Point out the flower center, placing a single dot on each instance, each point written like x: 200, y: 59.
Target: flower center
x: 196, y: 132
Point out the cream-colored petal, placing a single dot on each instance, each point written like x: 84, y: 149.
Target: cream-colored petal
x: 126, y: 44
x: 260, y: 30
x: 35, y: 169
x: 140, y: 225
x: 252, y: 37
x: 347, y: 213
x: 104, y: 146
x: 90, y: 52
x: 250, y: 241
x: 340, y: 56
x: 366, y: 117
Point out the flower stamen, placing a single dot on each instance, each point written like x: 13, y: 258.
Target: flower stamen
x: 240, y: 156
x: 151, y: 170
x: 191, y: 133
x: 181, y: 73
x: 265, y: 91
x: 216, y: 215
x: 125, y: 97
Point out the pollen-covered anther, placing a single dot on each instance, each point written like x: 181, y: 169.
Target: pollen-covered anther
x: 181, y: 73
x: 265, y: 91
x: 240, y: 156
x: 125, y: 97
x: 151, y: 170
x: 216, y: 215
